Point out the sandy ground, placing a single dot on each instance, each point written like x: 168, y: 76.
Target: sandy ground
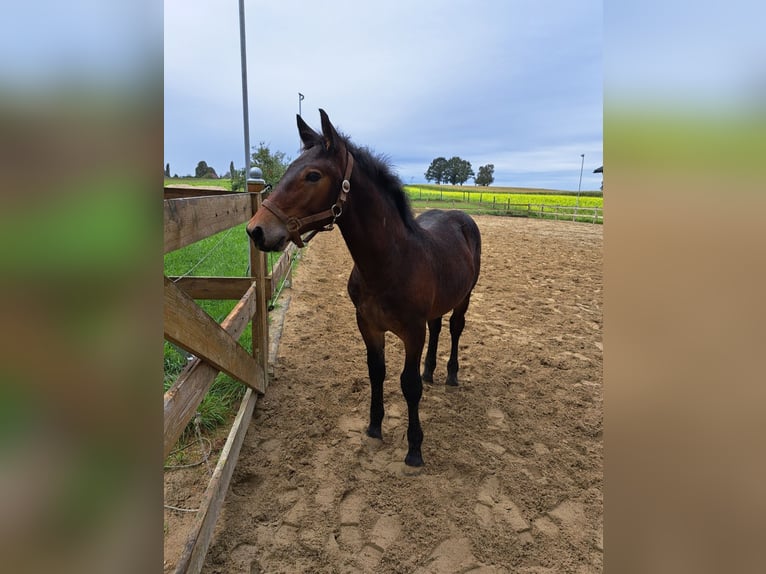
x: 513, y: 474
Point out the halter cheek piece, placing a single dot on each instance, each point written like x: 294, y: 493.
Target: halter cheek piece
x: 296, y: 226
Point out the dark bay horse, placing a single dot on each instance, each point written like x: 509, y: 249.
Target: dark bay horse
x: 407, y: 272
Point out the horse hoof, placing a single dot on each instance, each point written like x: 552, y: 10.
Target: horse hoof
x: 452, y: 382
x: 413, y: 459
x: 374, y: 433
x: 428, y: 378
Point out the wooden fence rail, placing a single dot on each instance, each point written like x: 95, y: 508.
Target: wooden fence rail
x: 190, y: 327
x: 188, y: 220
x: 191, y: 215
x: 538, y: 210
x: 564, y: 212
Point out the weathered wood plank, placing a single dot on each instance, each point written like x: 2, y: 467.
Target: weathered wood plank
x: 183, y: 398
x: 189, y: 327
x: 189, y: 220
x: 213, y: 287
x: 197, y: 544
x: 181, y: 191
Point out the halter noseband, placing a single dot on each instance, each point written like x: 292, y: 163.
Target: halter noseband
x: 296, y: 226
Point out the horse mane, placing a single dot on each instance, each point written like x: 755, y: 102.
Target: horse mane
x: 378, y: 167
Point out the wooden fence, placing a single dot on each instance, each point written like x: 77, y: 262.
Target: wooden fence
x: 538, y: 210
x: 191, y: 214
x: 556, y: 212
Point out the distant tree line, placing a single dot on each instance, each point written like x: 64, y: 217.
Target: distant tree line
x: 272, y: 165
x: 457, y: 171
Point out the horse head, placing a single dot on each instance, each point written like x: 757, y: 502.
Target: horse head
x: 311, y: 193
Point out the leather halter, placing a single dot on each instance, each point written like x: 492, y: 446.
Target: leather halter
x: 296, y: 226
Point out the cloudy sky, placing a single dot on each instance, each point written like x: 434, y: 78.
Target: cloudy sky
x: 514, y: 83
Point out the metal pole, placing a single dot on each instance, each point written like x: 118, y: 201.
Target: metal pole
x: 579, y: 185
x: 243, y: 61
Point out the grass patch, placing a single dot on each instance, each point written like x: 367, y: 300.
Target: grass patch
x: 217, y: 404
x: 224, y: 183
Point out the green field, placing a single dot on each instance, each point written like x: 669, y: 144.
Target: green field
x: 499, y: 190
x: 491, y: 195
x: 224, y: 183
x: 549, y: 204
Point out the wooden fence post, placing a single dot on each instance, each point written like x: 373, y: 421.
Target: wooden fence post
x: 255, y: 186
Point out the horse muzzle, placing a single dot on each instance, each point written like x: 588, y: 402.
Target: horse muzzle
x: 268, y: 234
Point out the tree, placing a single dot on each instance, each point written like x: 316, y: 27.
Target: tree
x: 272, y: 165
x: 466, y: 172
x: 203, y: 170
x: 437, y: 170
x: 167, y: 170
x: 232, y: 171
x: 458, y: 171
x: 238, y: 180
x: 486, y: 175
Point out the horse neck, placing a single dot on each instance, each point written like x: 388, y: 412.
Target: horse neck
x: 371, y: 226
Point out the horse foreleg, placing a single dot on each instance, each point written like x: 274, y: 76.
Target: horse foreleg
x: 376, y: 366
x: 412, y: 389
x: 434, y: 327
x: 456, y: 324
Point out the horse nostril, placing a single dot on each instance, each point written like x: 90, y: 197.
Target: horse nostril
x: 257, y: 236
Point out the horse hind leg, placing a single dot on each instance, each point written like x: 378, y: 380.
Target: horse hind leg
x: 434, y: 328
x: 456, y: 325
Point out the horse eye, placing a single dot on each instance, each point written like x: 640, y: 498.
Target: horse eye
x: 313, y: 176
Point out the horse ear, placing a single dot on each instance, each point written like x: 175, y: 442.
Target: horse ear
x: 308, y: 136
x: 332, y: 140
